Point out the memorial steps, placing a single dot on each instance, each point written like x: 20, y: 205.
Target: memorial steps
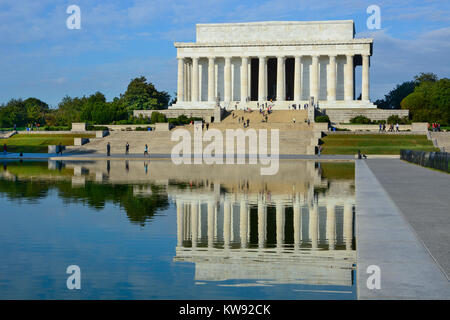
x: 293, y: 139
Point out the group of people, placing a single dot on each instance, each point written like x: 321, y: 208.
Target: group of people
x: 391, y: 127
x: 435, y: 126
x: 127, y: 149
x: 245, y: 122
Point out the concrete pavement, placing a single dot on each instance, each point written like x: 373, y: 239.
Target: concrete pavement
x: 423, y: 196
x: 386, y: 239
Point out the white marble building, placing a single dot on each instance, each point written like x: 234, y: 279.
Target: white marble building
x: 246, y: 64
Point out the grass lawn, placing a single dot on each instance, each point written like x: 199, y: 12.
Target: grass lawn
x: 375, y: 144
x: 38, y: 143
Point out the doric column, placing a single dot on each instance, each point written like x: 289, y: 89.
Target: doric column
x: 348, y: 225
x: 331, y: 226
x: 243, y: 223
x: 261, y: 224
x: 365, y: 78
x: 180, y: 80
x: 298, y: 79
x: 262, y: 96
x: 348, y: 78
x: 281, y: 96
x: 180, y: 222
x: 314, y: 84
x: 194, y: 83
x: 226, y: 223
x: 331, y: 85
x: 313, y: 222
x: 280, y: 223
x: 211, y: 79
x: 211, y: 224
x: 227, y: 84
x: 194, y: 223
x: 244, y: 79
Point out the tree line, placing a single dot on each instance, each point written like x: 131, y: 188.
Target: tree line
x: 426, y: 97
x: 140, y: 95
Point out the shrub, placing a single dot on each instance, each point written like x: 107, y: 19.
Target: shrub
x: 158, y: 117
x: 360, y: 120
x: 142, y: 128
x: 324, y: 118
x: 396, y: 119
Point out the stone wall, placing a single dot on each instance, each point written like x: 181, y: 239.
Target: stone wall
x: 78, y: 126
x: 344, y: 115
x: 209, y: 115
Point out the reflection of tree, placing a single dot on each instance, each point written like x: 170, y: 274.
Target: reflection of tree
x: 138, y: 209
x: 29, y: 190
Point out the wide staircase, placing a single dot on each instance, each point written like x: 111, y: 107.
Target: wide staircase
x: 294, y: 138
x: 442, y: 140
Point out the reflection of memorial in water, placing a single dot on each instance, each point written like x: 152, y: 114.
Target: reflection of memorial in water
x: 272, y: 237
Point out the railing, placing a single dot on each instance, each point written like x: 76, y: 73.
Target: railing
x: 435, y: 160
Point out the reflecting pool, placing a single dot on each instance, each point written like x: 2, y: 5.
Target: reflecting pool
x: 154, y: 230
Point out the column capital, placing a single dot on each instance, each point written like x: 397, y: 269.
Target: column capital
x: 211, y: 57
x: 349, y: 54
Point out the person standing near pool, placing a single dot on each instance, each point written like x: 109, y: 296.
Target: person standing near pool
x: 108, y: 149
x: 127, y: 148
x: 146, y: 150
x: 5, y: 149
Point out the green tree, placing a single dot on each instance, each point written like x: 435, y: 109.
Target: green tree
x: 36, y: 110
x: 425, y: 76
x: 394, y: 97
x: 430, y: 102
x: 142, y: 95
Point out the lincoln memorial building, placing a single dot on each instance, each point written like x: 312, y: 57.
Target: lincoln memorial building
x: 280, y: 63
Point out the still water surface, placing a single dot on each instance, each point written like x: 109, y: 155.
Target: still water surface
x: 152, y: 230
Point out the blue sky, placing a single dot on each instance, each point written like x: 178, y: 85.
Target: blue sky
x: 120, y: 40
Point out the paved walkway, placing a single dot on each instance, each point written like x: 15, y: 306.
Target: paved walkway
x: 386, y: 239
x: 423, y: 196
x: 101, y: 156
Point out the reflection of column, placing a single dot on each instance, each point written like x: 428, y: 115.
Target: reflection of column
x: 180, y: 222
x: 194, y: 221
x: 261, y: 223
x: 211, y: 224
x: 331, y: 226
x: 297, y: 224
x: 348, y: 225
x: 199, y: 228
x: 280, y: 223
x: 243, y: 223
x: 226, y: 223
x: 313, y: 220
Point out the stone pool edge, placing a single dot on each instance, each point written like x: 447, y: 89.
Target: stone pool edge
x: 385, y: 239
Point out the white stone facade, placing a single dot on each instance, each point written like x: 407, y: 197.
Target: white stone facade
x: 249, y: 64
